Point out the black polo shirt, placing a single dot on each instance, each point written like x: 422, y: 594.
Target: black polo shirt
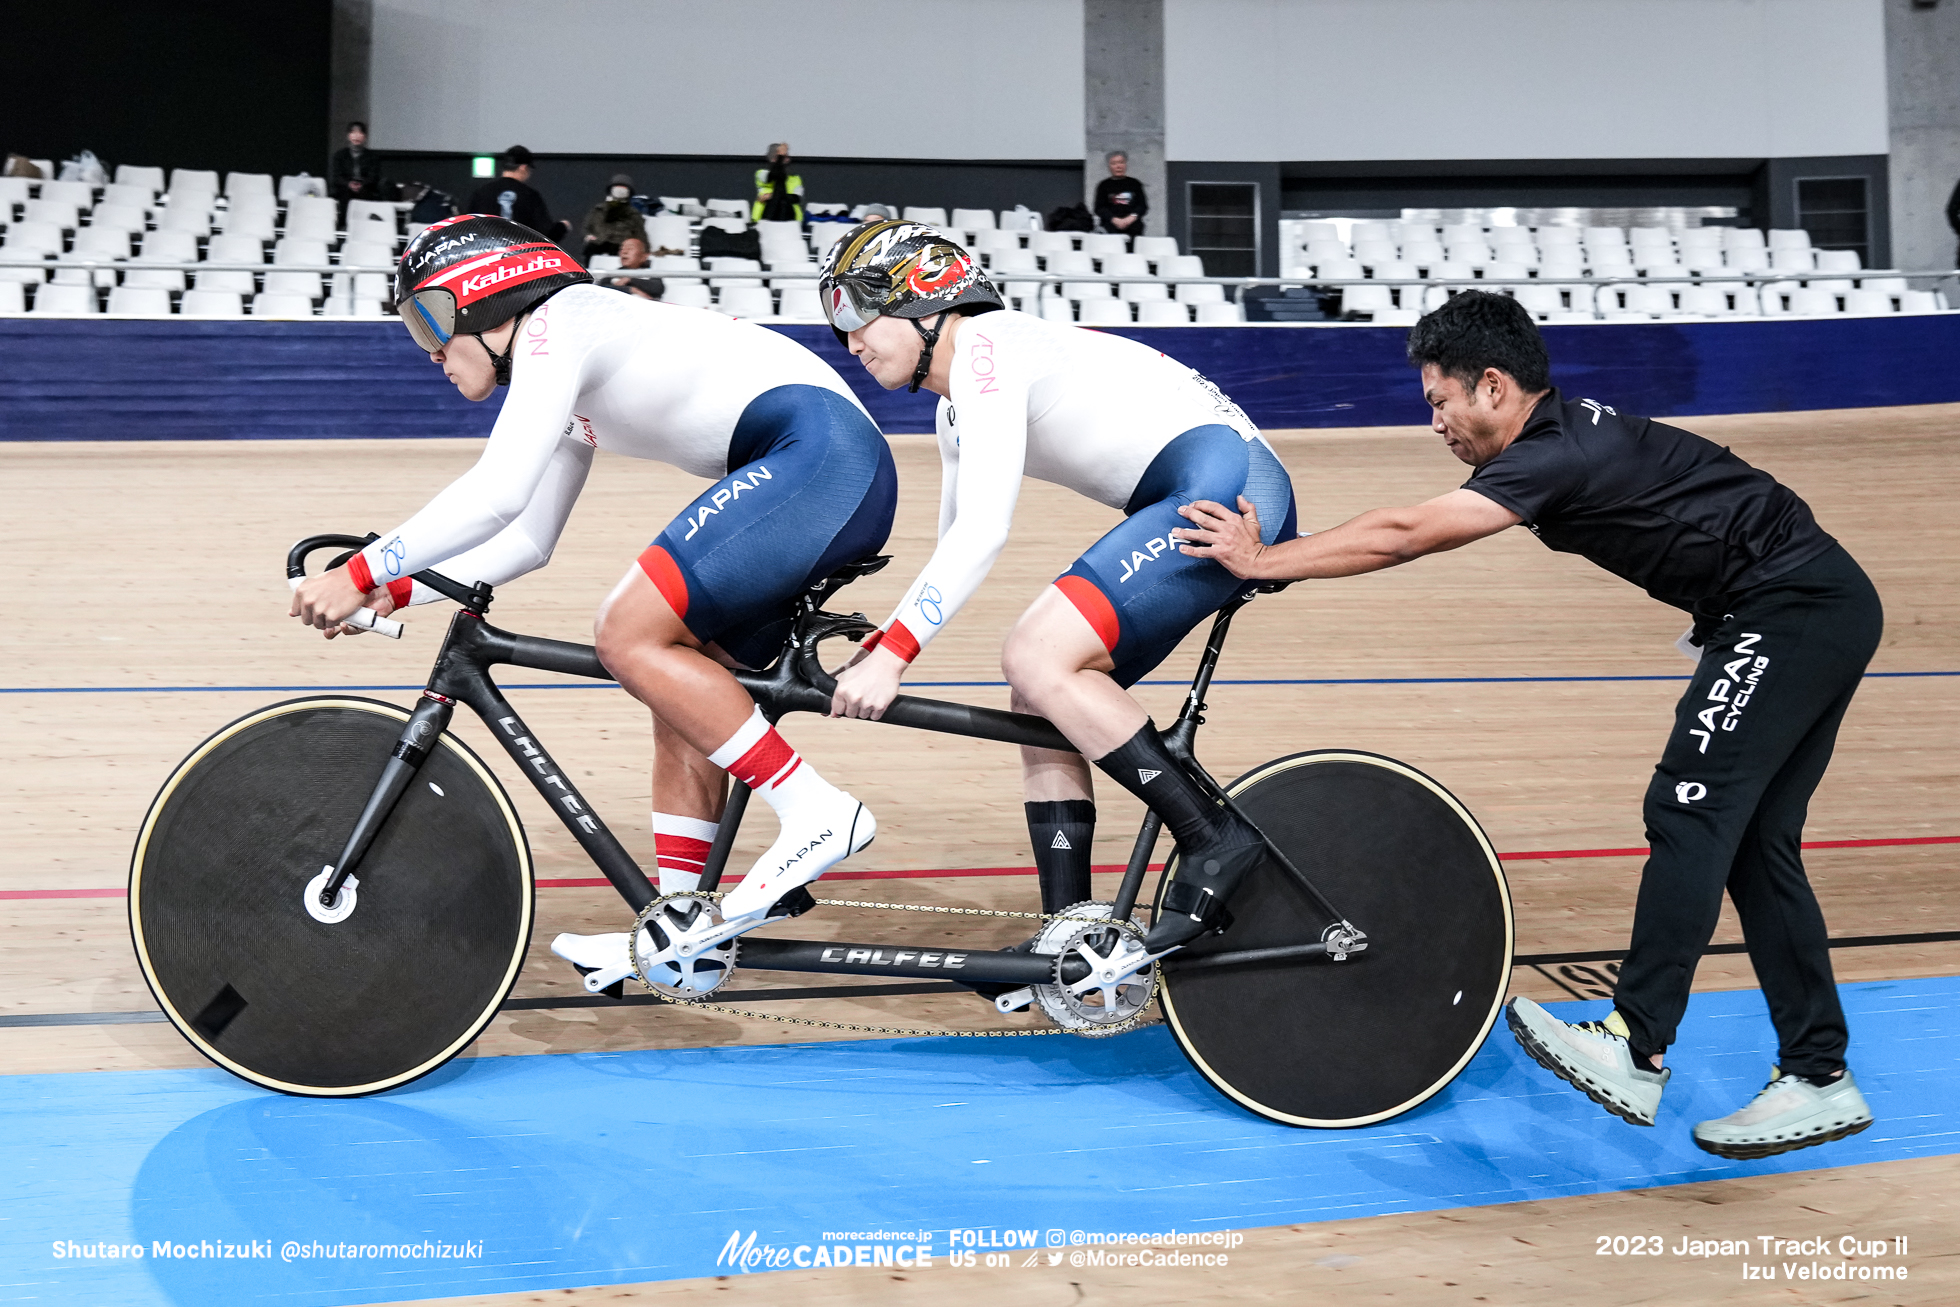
x: 513, y: 199
x: 1677, y: 515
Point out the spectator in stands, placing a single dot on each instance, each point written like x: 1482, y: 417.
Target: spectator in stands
x: 354, y: 173
x: 510, y: 195
x: 1120, y: 202
x: 778, y: 191
x: 633, y: 253
x: 613, y: 221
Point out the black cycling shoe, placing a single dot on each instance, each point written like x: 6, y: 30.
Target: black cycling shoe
x: 1194, y: 904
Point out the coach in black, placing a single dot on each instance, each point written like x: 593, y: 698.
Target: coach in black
x: 1785, y: 622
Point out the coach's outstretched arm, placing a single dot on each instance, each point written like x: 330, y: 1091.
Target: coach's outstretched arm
x: 1381, y: 537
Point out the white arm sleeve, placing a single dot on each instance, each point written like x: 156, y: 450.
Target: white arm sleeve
x: 978, y: 508
x: 526, y: 544
x: 949, y: 473
x: 491, y: 495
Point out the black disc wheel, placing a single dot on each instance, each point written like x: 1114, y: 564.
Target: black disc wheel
x: 267, y: 988
x: 1317, y: 1042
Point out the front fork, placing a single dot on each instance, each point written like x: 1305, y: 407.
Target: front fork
x: 419, y: 734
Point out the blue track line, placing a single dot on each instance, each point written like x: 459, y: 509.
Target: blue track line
x: 916, y: 685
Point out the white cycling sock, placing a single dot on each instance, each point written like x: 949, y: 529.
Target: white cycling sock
x: 680, y: 846
x: 761, y: 759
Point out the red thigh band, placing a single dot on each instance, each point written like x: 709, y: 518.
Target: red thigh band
x: 1094, y: 607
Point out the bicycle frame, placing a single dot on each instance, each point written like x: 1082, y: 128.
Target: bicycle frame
x: 795, y: 683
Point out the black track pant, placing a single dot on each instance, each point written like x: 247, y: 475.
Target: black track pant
x: 1752, y: 737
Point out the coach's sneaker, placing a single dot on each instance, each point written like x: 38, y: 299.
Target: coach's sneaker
x: 1790, y: 1112
x: 1591, y: 1056
x: 816, y: 836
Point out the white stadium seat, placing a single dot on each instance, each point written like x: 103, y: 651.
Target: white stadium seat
x: 1088, y: 290
x: 1071, y: 261
x: 1219, y: 313
x: 668, y: 231
x: 1104, y: 313
x: 1162, y: 313
x: 1371, y: 254
x: 380, y: 211
x: 58, y: 212
x: 1023, y: 295
x: 239, y: 185
x: 729, y: 208
x: 1422, y: 253
x: 210, y: 304
x: 1141, y: 292
x: 1792, y: 258
x: 189, y: 182
x: 1097, y: 244
x: 13, y: 297
x: 1538, y: 298
x: 992, y: 240
x: 1366, y: 299
x: 150, y: 179
x: 292, y: 187
x: 973, y: 219
x: 1182, y: 265
x: 1920, y: 301
x: 1050, y: 242
x: 692, y: 295
x: 1202, y: 292
x: 1705, y: 300
x: 269, y: 304
x: 300, y: 285
x: 13, y: 190
x: 1155, y: 247
x: 673, y: 203
x: 33, y: 238
x: 747, y: 302
x: 79, y: 194
x: 1551, y: 237
x: 193, y: 218
x: 1056, y: 309
x: 1812, y: 302
x: 1126, y: 265
x: 64, y: 300
x: 1867, y: 301
x: 801, y: 304
x: 1008, y: 262
x: 932, y: 217
x: 117, y: 217
x: 140, y: 301
x: 362, y: 254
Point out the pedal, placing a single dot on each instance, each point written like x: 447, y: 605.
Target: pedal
x: 1015, y: 1000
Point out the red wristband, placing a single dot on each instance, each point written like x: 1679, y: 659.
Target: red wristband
x: 358, y: 573
x: 872, y: 641
x: 401, y: 591
x: 899, y: 641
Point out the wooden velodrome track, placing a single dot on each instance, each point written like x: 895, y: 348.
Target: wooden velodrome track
x: 146, y: 565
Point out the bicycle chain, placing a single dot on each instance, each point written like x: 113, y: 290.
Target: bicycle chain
x: 723, y: 1009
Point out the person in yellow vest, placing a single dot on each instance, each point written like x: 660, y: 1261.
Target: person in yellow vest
x: 778, y: 191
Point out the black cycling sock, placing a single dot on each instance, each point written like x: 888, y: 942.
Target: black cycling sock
x: 1144, y: 767
x: 1061, y: 831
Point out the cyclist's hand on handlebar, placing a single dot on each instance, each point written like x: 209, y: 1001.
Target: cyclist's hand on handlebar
x: 867, y: 685
x: 327, y: 600
x: 380, y: 601
x: 1229, y: 539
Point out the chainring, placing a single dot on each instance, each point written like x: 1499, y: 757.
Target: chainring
x: 1101, y: 1006
x: 678, y: 979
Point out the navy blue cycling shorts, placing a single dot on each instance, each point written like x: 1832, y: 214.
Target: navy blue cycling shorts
x: 1139, y: 593
x: 810, y: 487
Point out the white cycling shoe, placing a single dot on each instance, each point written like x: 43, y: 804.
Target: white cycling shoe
x: 1788, y: 1113
x: 815, y: 837
x: 604, y: 959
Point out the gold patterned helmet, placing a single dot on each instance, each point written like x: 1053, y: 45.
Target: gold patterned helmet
x: 901, y: 269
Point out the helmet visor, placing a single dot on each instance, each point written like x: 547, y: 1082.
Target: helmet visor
x: 430, y: 316
x: 852, y: 300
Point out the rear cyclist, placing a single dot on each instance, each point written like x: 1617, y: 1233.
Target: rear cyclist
x: 1111, y: 419
x: 804, y: 483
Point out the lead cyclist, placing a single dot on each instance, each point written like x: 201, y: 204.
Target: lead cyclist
x: 803, y: 483
x: 1111, y: 419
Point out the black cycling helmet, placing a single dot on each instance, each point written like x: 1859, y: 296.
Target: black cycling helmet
x: 903, y: 270
x: 473, y: 273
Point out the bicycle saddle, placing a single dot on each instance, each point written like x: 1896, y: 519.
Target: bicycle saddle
x: 846, y: 574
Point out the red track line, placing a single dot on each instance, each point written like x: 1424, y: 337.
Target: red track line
x: 598, y: 882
